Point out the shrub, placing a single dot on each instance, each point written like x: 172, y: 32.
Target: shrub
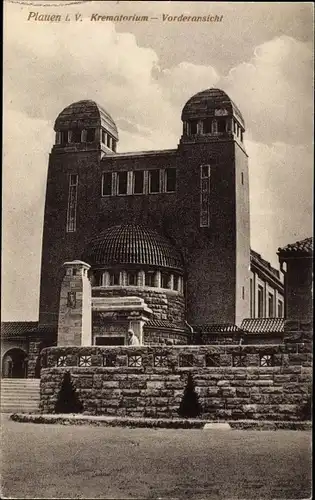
x: 67, y: 399
x: 190, y: 406
x: 306, y: 410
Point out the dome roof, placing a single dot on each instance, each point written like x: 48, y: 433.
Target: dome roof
x: 132, y: 244
x: 85, y: 114
x: 210, y: 102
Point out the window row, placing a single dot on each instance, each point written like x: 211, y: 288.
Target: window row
x: 139, y: 182
x: 77, y: 135
x: 156, y: 279
x: 213, y: 126
x: 267, y: 306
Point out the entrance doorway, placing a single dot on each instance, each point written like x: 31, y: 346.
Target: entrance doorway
x: 14, y: 364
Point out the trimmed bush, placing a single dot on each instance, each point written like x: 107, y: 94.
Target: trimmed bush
x: 67, y: 399
x: 190, y: 406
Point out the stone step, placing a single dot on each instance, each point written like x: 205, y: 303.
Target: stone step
x: 20, y: 395
x: 23, y: 397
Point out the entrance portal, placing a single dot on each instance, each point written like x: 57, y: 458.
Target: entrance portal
x: 14, y: 364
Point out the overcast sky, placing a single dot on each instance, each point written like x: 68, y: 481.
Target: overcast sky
x: 143, y: 73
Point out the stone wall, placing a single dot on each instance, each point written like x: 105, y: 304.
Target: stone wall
x: 269, y: 382
x: 166, y: 305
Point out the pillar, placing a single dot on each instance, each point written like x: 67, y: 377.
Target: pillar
x: 141, y: 278
x: 157, y: 279
x: 75, y: 306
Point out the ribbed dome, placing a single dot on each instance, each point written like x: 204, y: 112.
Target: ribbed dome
x: 208, y: 103
x: 85, y: 114
x: 132, y: 244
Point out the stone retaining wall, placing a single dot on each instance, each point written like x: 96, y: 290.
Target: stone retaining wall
x: 270, y: 382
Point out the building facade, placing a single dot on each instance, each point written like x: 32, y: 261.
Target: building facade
x: 155, y: 241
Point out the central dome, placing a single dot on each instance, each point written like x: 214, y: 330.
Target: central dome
x: 132, y: 244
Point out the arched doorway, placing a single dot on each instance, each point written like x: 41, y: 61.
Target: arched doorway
x: 14, y: 364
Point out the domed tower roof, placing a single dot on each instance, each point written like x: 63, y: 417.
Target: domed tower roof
x: 85, y: 114
x: 208, y: 103
x: 132, y: 244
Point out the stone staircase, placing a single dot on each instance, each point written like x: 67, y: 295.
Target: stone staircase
x: 20, y: 395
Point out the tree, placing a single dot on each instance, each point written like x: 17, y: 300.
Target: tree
x: 67, y: 400
x: 190, y: 406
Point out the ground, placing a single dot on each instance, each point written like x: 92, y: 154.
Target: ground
x: 57, y: 461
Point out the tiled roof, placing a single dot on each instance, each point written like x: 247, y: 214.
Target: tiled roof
x: 132, y: 244
x: 255, y: 256
x: 161, y: 323
x: 216, y: 327
x: 303, y: 246
x: 17, y: 328
x: 206, y: 101
x: 85, y: 114
x: 262, y: 325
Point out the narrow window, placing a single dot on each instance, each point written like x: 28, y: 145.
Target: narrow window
x: 132, y: 279
x: 243, y: 292
x: 154, y: 181
x: 242, y: 178
x: 176, y: 283
x: 114, y: 145
x: 72, y: 203
x: 108, y: 141
x: 149, y: 278
x: 122, y: 182
x: 138, y: 182
x: 114, y: 279
x: 270, y: 305
x: 251, y: 299
x: 107, y: 184
x: 164, y: 280
x: 193, y: 127
x: 64, y: 137
x: 170, y: 181
x: 221, y: 125
x: 76, y: 135
x: 90, y: 135
x: 241, y: 135
x: 280, y: 309
x: 260, y: 301
x: 207, y: 126
x: 103, y: 136
x: 204, y: 195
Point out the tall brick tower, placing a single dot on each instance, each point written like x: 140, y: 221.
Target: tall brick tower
x: 194, y: 199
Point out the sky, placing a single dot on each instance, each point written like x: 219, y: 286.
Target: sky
x: 261, y: 54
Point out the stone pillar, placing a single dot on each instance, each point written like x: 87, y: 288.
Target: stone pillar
x: 83, y: 135
x: 33, y: 353
x: 123, y: 278
x: 157, y: 279
x: 141, y: 278
x: 105, y: 278
x: 75, y: 306
x: 170, y: 283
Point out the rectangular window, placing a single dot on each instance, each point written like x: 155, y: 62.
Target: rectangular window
x: 122, y: 182
x: 207, y: 126
x: 138, y: 182
x: 149, y: 278
x: 107, y: 183
x: 103, y: 136
x: 114, y: 279
x: 176, y: 283
x: 170, y: 180
x: 64, y: 137
x: 221, y: 125
x: 75, y: 135
x: 204, y: 195
x: 154, y: 181
x: 164, y: 280
x: 132, y: 279
x: 193, y: 127
x: 243, y: 292
x: 114, y: 145
x: 108, y: 141
x: 242, y: 178
x: 270, y: 305
x: 280, y: 309
x: 90, y: 135
x: 260, y: 301
x: 72, y: 203
x: 251, y: 299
